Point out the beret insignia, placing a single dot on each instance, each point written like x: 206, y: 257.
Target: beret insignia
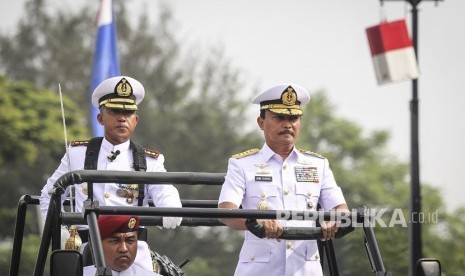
x: 132, y: 223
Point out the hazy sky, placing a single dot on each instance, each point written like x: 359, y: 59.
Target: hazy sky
x: 321, y: 44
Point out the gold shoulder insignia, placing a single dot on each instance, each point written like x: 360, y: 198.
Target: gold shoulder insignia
x: 312, y: 153
x: 152, y: 153
x: 79, y: 143
x: 245, y: 153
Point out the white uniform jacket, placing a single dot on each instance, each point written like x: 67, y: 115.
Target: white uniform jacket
x: 262, y: 178
x: 107, y: 193
x: 133, y: 270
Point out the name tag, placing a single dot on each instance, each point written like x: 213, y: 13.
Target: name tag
x: 263, y: 178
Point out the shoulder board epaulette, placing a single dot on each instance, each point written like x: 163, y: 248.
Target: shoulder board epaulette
x: 79, y: 143
x: 152, y: 153
x: 245, y: 153
x: 312, y: 153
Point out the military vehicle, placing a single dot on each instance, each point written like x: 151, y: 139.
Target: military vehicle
x: 194, y: 212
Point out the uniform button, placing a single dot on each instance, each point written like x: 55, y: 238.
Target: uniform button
x: 289, y: 245
x: 263, y: 205
x: 252, y: 258
x: 107, y: 194
x: 309, y: 205
x: 317, y: 257
x: 263, y: 195
x: 286, y: 192
x: 284, y: 166
x: 309, y: 193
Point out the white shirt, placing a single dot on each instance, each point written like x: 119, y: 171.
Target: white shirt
x: 298, y: 183
x: 106, y: 193
x: 133, y: 270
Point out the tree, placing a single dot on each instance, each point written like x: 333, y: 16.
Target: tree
x: 173, y: 91
x: 371, y: 177
x: 447, y: 240
x: 32, y: 135
x: 195, y: 114
x: 29, y: 145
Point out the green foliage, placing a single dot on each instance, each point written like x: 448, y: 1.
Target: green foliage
x: 194, y: 112
x: 51, y: 48
x: 28, y: 257
x: 188, y: 101
x: 32, y: 139
x: 28, y: 111
x: 445, y: 240
x: 367, y: 176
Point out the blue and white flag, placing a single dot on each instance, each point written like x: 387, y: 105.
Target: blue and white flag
x: 106, y: 64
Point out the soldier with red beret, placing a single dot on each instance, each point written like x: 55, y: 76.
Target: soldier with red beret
x: 119, y: 241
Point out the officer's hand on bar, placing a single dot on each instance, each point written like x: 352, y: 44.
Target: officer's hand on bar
x: 273, y: 228
x: 329, y: 230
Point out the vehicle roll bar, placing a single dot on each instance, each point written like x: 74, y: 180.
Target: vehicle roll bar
x: 192, y: 216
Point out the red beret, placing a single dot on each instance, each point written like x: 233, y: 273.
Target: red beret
x: 109, y: 225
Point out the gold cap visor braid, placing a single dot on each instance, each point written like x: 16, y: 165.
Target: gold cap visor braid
x: 283, y: 109
x: 119, y: 103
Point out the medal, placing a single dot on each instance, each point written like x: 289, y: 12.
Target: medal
x: 130, y: 195
x: 128, y: 191
x: 122, y: 193
x: 84, y: 188
x: 263, y: 205
x: 306, y: 174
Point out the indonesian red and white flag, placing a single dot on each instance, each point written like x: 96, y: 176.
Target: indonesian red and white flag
x: 392, y: 52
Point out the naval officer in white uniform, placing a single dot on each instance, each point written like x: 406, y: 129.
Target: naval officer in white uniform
x: 117, y: 99
x: 280, y: 177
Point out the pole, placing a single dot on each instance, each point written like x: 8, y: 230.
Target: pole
x: 416, y: 249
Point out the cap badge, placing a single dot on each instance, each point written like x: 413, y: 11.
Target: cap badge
x: 132, y: 223
x: 123, y: 88
x: 289, y: 96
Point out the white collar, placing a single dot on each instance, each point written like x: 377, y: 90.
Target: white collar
x: 107, y: 146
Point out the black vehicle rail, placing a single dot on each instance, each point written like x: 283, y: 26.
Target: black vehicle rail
x: 194, y: 213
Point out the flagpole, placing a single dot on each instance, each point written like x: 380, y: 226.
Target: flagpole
x: 106, y: 62
x: 416, y: 247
